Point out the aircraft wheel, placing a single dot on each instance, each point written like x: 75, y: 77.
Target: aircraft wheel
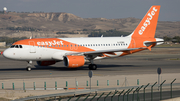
x: 28, y: 68
x: 92, y: 67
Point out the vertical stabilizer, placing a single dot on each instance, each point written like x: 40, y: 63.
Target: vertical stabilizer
x: 147, y: 26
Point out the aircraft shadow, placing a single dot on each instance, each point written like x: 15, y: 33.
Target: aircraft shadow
x: 65, y: 68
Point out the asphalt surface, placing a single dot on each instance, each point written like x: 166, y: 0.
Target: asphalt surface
x: 128, y: 65
x: 135, y: 64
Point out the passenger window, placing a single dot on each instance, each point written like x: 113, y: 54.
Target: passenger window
x: 67, y: 45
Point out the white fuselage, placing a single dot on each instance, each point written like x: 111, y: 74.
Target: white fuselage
x: 43, y: 52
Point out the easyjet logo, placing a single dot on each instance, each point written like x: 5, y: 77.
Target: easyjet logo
x: 148, y: 20
x: 54, y: 42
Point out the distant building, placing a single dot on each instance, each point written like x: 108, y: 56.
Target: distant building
x: 2, y: 44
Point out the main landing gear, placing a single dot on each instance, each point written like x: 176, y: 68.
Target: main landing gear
x: 92, y: 66
x: 29, y: 65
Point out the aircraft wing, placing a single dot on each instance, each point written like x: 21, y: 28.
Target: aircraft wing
x: 102, y: 51
x: 109, y: 51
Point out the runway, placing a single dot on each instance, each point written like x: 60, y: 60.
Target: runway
x: 128, y: 65
x: 136, y: 66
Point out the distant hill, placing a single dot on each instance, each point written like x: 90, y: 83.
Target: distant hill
x: 15, y: 24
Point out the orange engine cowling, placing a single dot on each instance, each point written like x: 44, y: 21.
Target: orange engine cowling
x: 45, y: 63
x: 74, y: 61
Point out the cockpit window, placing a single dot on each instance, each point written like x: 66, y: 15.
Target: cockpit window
x: 20, y: 46
x: 12, y: 46
x: 16, y: 46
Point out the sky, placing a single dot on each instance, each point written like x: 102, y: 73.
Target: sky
x: 110, y: 9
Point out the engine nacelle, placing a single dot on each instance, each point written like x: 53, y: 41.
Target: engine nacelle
x: 74, y: 61
x: 45, y: 63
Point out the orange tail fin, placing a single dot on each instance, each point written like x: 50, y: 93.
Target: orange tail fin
x: 147, y: 26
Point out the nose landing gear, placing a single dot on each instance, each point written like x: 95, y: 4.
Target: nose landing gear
x: 29, y: 66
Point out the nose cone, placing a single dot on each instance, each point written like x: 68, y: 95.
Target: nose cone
x: 7, y: 54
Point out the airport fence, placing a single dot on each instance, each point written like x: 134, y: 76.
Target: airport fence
x: 132, y: 93
x: 43, y: 85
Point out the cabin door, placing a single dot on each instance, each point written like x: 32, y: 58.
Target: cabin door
x: 32, y: 47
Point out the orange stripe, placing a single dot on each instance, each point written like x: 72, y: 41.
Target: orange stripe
x: 54, y: 42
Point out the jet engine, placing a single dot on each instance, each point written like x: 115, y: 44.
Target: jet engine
x: 45, y: 63
x: 74, y: 61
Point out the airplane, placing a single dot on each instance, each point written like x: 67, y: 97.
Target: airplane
x: 75, y: 52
